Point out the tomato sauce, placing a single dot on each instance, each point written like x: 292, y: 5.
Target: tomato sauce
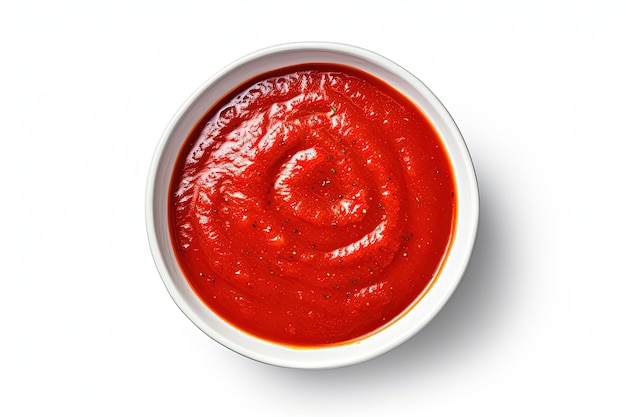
x: 312, y: 205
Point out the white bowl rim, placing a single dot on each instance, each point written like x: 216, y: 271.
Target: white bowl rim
x: 416, y: 318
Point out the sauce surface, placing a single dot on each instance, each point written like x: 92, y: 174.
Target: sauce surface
x: 312, y: 205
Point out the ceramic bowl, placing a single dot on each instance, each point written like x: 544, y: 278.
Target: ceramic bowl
x: 418, y: 315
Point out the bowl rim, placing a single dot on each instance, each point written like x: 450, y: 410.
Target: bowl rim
x: 334, y: 355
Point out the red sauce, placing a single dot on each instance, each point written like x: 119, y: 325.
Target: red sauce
x: 312, y: 205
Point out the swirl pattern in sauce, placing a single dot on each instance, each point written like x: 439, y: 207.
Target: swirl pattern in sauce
x: 312, y: 205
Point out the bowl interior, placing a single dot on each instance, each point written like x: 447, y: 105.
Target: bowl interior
x: 225, y: 81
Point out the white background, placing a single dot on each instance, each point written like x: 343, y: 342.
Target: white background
x: 537, y: 324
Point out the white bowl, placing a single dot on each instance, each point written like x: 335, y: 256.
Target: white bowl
x: 195, y: 108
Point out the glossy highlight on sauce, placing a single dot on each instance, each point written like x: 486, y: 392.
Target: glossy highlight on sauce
x: 312, y: 205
